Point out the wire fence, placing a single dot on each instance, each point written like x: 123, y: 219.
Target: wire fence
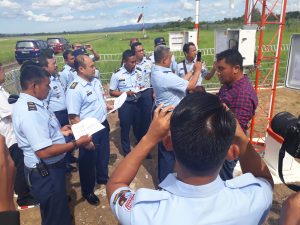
x: 109, y: 62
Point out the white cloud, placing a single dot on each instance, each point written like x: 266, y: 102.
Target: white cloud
x: 87, y: 17
x: 186, y: 4
x: 37, y: 17
x: 9, y: 4
x: 69, y: 17
x: 49, y: 3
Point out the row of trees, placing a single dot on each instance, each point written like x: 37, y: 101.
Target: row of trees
x: 188, y: 23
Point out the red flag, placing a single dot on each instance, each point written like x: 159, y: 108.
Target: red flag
x: 140, y: 17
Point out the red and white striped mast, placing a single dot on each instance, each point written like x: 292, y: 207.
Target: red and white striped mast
x: 197, y: 19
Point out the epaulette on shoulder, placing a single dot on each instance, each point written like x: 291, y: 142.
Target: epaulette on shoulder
x: 117, y: 70
x: 31, y: 106
x: 73, y: 85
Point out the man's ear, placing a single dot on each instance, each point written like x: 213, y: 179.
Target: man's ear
x: 167, y: 142
x: 236, y: 69
x: 233, y: 152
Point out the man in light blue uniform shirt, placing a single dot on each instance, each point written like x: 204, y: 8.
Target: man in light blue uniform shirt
x: 68, y: 74
x: 128, y: 79
x: 40, y: 137
x: 146, y: 100
x: 168, y: 89
x: 203, y: 133
x: 161, y: 41
x: 85, y: 99
x: 56, y: 100
x: 185, y: 68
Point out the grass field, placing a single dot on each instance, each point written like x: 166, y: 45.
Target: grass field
x: 111, y: 43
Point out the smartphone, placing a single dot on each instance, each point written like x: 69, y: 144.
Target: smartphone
x: 198, y: 56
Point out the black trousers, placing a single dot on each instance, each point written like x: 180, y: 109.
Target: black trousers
x: 21, y: 187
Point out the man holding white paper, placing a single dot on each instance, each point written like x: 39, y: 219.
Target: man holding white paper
x: 85, y: 100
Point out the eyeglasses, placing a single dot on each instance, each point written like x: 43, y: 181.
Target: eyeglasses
x: 141, y: 50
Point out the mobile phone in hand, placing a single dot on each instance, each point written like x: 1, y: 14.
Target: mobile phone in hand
x: 198, y: 56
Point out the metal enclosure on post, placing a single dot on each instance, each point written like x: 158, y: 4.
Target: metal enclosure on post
x: 178, y: 39
x: 241, y: 39
x: 272, y: 14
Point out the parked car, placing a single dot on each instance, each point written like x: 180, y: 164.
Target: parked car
x: 58, y: 44
x: 29, y: 50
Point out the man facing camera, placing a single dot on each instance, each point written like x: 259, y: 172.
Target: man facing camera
x: 203, y: 133
x: 237, y: 93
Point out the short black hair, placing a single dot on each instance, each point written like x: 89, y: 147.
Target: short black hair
x: 135, y: 44
x: 202, y: 131
x: 28, y: 63
x: 66, y: 53
x: 232, y: 57
x: 186, y: 47
x: 79, y: 61
x: 126, y: 54
x: 32, y: 73
x: 43, y: 59
x: 48, y: 52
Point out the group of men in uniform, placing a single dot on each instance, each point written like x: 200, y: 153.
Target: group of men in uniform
x: 75, y: 94
x: 205, y: 134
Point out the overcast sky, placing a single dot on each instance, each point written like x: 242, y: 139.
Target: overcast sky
x: 29, y: 16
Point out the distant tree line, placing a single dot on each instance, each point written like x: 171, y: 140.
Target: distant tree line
x: 188, y: 23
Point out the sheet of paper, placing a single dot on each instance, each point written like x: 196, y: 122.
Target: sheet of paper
x: 86, y: 126
x: 143, y: 89
x: 119, y: 101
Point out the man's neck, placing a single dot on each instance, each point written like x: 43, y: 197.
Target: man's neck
x: 162, y: 65
x: 187, y: 177
x: 128, y: 70
x: 88, y: 79
x: 237, y: 77
x: 190, y: 60
x: 139, y: 60
x: 29, y: 92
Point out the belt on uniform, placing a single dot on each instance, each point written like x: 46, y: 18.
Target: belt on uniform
x: 62, y: 111
x: 60, y: 164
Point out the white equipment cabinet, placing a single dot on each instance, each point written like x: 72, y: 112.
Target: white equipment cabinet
x: 178, y: 38
x: 241, y: 39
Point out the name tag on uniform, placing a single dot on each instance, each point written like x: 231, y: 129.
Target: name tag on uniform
x: 88, y: 93
x: 122, y: 79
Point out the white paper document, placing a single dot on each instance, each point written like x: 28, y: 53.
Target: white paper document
x: 119, y: 101
x: 143, y: 89
x: 86, y: 126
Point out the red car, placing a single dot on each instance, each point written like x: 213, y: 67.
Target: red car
x: 58, y: 44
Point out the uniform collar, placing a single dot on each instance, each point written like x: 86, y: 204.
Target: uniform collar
x: 1, y: 88
x: 84, y: 82
x: 30, y: 98
x: 67, y: 67
x: 161, y: 68
x: 54, y: 77
x: 142, y: 61
x: 187, y: 62
x: 126, y: 71
x: 178, y: 188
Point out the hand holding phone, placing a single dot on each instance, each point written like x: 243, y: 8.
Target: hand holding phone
x: 199, y: 56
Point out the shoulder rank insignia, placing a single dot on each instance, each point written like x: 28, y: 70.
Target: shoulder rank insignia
x: 31, y: 106
x: 117, y: 70
x: 73, y: 85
